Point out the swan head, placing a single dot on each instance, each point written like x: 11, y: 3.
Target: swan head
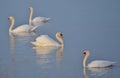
x: 10, y: 18
x: 59, y: 36
x: 86, y: 53
x: 30, y: 8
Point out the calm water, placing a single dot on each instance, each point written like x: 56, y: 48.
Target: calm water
x: 91, y: 24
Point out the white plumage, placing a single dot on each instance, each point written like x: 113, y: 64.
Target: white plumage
x: 37, y: 21
x: 96, y: 63
x: 23, y: 28
x: 100, y: 63
x: 20, y: 29
x: 33, y: 24
x: 45, y: 40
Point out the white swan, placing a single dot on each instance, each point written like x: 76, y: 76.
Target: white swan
x: 45, y: 40
x: 37, y: 21
x: 96, y: 63
x: 20, y: 29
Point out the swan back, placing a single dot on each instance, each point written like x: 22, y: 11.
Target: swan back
x: 45, y: 40
x: 22, y: 28
x: 37, y: 21
x: 100, y: 63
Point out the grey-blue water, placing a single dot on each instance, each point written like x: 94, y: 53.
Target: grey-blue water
x: 88, y: 24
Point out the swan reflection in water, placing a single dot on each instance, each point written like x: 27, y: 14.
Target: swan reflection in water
x: 96, y: 71
x: 23, y: 34
x: 85, y: 73
x: 100, y: 71
x: 17, y: 39
x: 59, y: 54
x: 46, y: 57
x: 20, y: 38
x: 44, y: 54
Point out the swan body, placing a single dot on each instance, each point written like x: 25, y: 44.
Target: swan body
x: 45, y: 40
x: 100, y: 63
x: 20, y: 29
x: 96, y: 63
x: 37, y: 21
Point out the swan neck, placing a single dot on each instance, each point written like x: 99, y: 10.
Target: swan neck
x: 12, y: 24
x: 30, y: 18
x: 60, y: 41
x: 85, y: 61
x: 62, y: 44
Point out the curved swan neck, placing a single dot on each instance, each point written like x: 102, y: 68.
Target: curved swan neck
x: 60, y: 40
x: 85, y: 60
x: 30, y: 18
x: 12, y: 24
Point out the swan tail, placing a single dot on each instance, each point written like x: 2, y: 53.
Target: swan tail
x: 34, y: 43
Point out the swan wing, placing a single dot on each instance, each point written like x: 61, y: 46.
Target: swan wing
x: 100, y: 63
x: 22, y: 28
x: 34, y: 28
x: 45, y: 40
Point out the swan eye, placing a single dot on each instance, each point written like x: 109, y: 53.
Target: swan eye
x: 84, y: 53
x: 29, y: 8
x: 61, y: 34
x: 8, y: 18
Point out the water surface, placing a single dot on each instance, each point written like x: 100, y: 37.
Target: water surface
x: 91, y: 24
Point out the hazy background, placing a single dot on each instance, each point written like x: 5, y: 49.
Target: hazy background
x: 90, y: 24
